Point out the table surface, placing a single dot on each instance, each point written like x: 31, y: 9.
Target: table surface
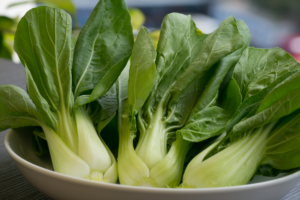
x: 13, y: 186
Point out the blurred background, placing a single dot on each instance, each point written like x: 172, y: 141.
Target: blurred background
x: 272, y: 23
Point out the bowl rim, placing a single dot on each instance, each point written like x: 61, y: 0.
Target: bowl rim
x: 110, y: 186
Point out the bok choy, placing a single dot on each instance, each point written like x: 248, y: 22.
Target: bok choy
x: 163, y: 87
x: 263, y: 131
x: 62, y: 80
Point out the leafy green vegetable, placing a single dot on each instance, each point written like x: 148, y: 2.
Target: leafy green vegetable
x: 44, y: 44
x: 206, y: 119
x: 264, y: 126
x: 102, y: 50
x: 163, y: 104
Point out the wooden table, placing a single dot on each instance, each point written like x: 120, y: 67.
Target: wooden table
x: 13, y: 186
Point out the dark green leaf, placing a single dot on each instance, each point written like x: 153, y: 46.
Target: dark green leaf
x: 102, y: 49
x: 178, y: 45
x: 222, y: 67
x: 222, y: 42
x: 231, y: 97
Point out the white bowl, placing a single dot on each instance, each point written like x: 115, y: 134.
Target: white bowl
x: 38, y: 171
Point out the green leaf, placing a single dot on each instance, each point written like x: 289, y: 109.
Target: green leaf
x: 17, y: 109
x: 283, y: 151
x: 107, y: 105
x: 231, y: 97
x: 206, y: 121
x: 205, y: 124
x: 102, y: 49
x: 222, y: 42
x: 259, y: 68
x: 251, y: 104
x: 178, y: 45
x: 44, y: 44
x: 142, y: 72
x: 281, y: 101
x: 257, y: 73
x: 222, y: 67
x: 44, y: 113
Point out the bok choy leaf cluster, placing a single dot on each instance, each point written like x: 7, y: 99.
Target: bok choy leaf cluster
x: 62, y: 80
x: 180, y: 80
x: 197, y: 111
x: 262, y: 134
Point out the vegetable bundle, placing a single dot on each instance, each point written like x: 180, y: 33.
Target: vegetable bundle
x: 239, y: 104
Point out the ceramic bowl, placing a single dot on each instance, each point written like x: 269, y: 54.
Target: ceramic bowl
x: 38, y: 171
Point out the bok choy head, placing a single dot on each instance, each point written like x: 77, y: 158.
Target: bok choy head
x: 163, y: 88
x: 62, y: 79
x: 264, y: 129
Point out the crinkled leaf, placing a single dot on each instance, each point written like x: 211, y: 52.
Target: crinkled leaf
x: 205, y: 124
x: 259, y: 68
x: 281, y: 101
x: 251, y: 104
